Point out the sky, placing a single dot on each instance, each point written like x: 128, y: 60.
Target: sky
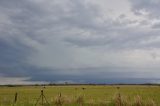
x: 79, y: 41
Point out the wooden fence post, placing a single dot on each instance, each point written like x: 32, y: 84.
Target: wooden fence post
x: 15, y: 97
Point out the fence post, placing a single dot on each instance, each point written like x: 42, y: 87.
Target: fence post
x: 15, y: 97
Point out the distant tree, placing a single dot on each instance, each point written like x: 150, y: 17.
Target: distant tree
x: 66, y: 83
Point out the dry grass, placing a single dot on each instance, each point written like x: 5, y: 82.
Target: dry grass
x: 59, y: 100
x: 80, y: 100
x: 120, y: 100
x: 91, y: 96
x: 138, y: 101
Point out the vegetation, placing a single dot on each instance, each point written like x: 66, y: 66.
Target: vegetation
x: 82, y: 95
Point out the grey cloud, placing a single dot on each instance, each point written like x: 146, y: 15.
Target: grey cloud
x: 146, y: 7
x: 156, y: 26
x: 29, y: 25
x: 38, y: 36
x: 92, y: 75
x: 125, y: 38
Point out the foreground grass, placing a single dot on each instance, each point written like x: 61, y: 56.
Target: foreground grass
x: 83, y: 95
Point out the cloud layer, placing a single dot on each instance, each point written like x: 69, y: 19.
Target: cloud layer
x: 79, y: 40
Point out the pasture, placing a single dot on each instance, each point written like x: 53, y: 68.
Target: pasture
x: 82, y: 95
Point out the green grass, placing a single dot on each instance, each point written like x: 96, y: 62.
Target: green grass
x: 75, y: 95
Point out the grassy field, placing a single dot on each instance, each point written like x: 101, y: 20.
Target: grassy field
x: 134, y: 95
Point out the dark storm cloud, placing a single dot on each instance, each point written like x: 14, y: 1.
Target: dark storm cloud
x: 16, y: 36
x: 52, y: 40
x: 20, y: 30
x: 107, y: 75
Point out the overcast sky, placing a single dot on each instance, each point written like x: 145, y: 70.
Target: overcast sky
x: 79, y: 40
